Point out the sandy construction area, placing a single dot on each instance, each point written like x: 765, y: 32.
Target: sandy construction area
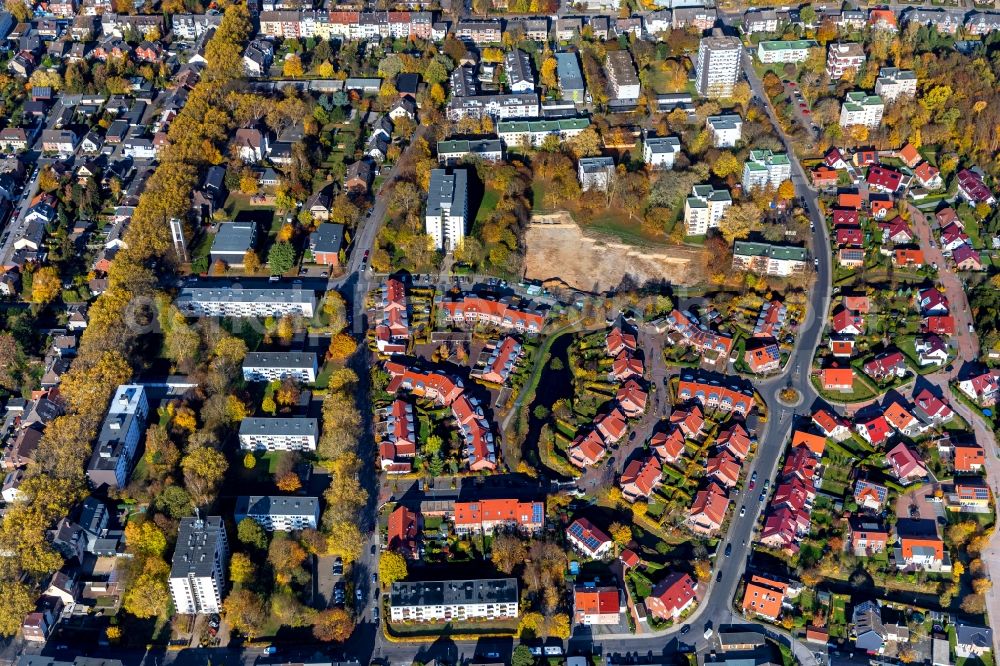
x: 558, y: 249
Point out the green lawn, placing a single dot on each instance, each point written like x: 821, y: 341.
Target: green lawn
x: 488, y: 205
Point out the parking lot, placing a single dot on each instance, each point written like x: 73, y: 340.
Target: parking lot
x: 800, y: 109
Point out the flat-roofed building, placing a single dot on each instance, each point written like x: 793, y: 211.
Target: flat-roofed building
x: 273, y: 366
x: 455, y: 150
x: 785, y: 50
x: 447, y: 208
x: 123, y: 426
x: 279, y: 434
x: 235, y: 301
x: 458, y: 600
x: 233, y: 241
x: 621, y: 75
x: 844, y: 56
x: 571, y: 85
x: 277, y: 513
x: 197, y: 574
x: 726, y: 130
x: 704, y: 208
x: 518, y: 133
x: 718, y: 66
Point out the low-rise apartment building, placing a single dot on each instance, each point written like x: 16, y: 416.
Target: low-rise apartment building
x: 785, y: 51
x: 764, y: 167
x: 519, y: 133
x: 842, y: 57
x: 768, y: 259
x: 893, y: 83
x: 277, y: 513
x: 278, y: 434
x: 234, y: 301
x: 726, y: 130
x: 860, y: 108
x: 622, y: 75
x: 275, y: 366
x: 454, y: 600
x: 704, y: 208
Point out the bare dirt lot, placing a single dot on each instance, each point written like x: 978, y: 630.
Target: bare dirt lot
x: 557, y: 248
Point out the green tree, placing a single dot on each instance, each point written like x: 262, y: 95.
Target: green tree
x: 280, y: 258
x: 522, y: 656
x: 251, y: 533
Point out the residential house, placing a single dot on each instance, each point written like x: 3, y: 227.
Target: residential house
x: 672, y: 596
x: 641, y: 477
x: 905, y: 464
x: 326, y: 242
x: 865, y: 536
x: 764, y: 597
x: 589, y: 540
x: 594, y: 605
x: 708, y: 511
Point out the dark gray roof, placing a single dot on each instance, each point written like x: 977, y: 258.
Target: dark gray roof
x: 328, y: 237
x: 279, y: 426
x: 981, y: 637
x: 234, y: 237
x: 41, y: 660
x: 243, y: 295
x: 274, y: 505
x: 280, y: 360
x: 447, y: 191
x: 439, y: 593
x: 197, y: 543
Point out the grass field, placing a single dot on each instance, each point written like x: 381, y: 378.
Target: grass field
x: 488, y: 205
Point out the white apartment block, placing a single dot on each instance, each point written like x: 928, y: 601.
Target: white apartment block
x: 278, y: 434
x: 726, y: 130
x: 517, y: 67
x: 499, y: 107
x: 275, y: 366
x: 860, y: 108
x: 621, y: 75
x: 197, y: 574
x: 460, y: 600
x: 517, y: 133
x: 843, y: 56
x: 718, y: 66
x: 114, y: 454
x: 764, y: 168
x: 893, y: 83
x: 277, y: 513
x: 595, y: 173
x: 785, y: 51
x: 447, y: 208
x: 235, y: 301
x: 704, y: 208
x: 660, y: 151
